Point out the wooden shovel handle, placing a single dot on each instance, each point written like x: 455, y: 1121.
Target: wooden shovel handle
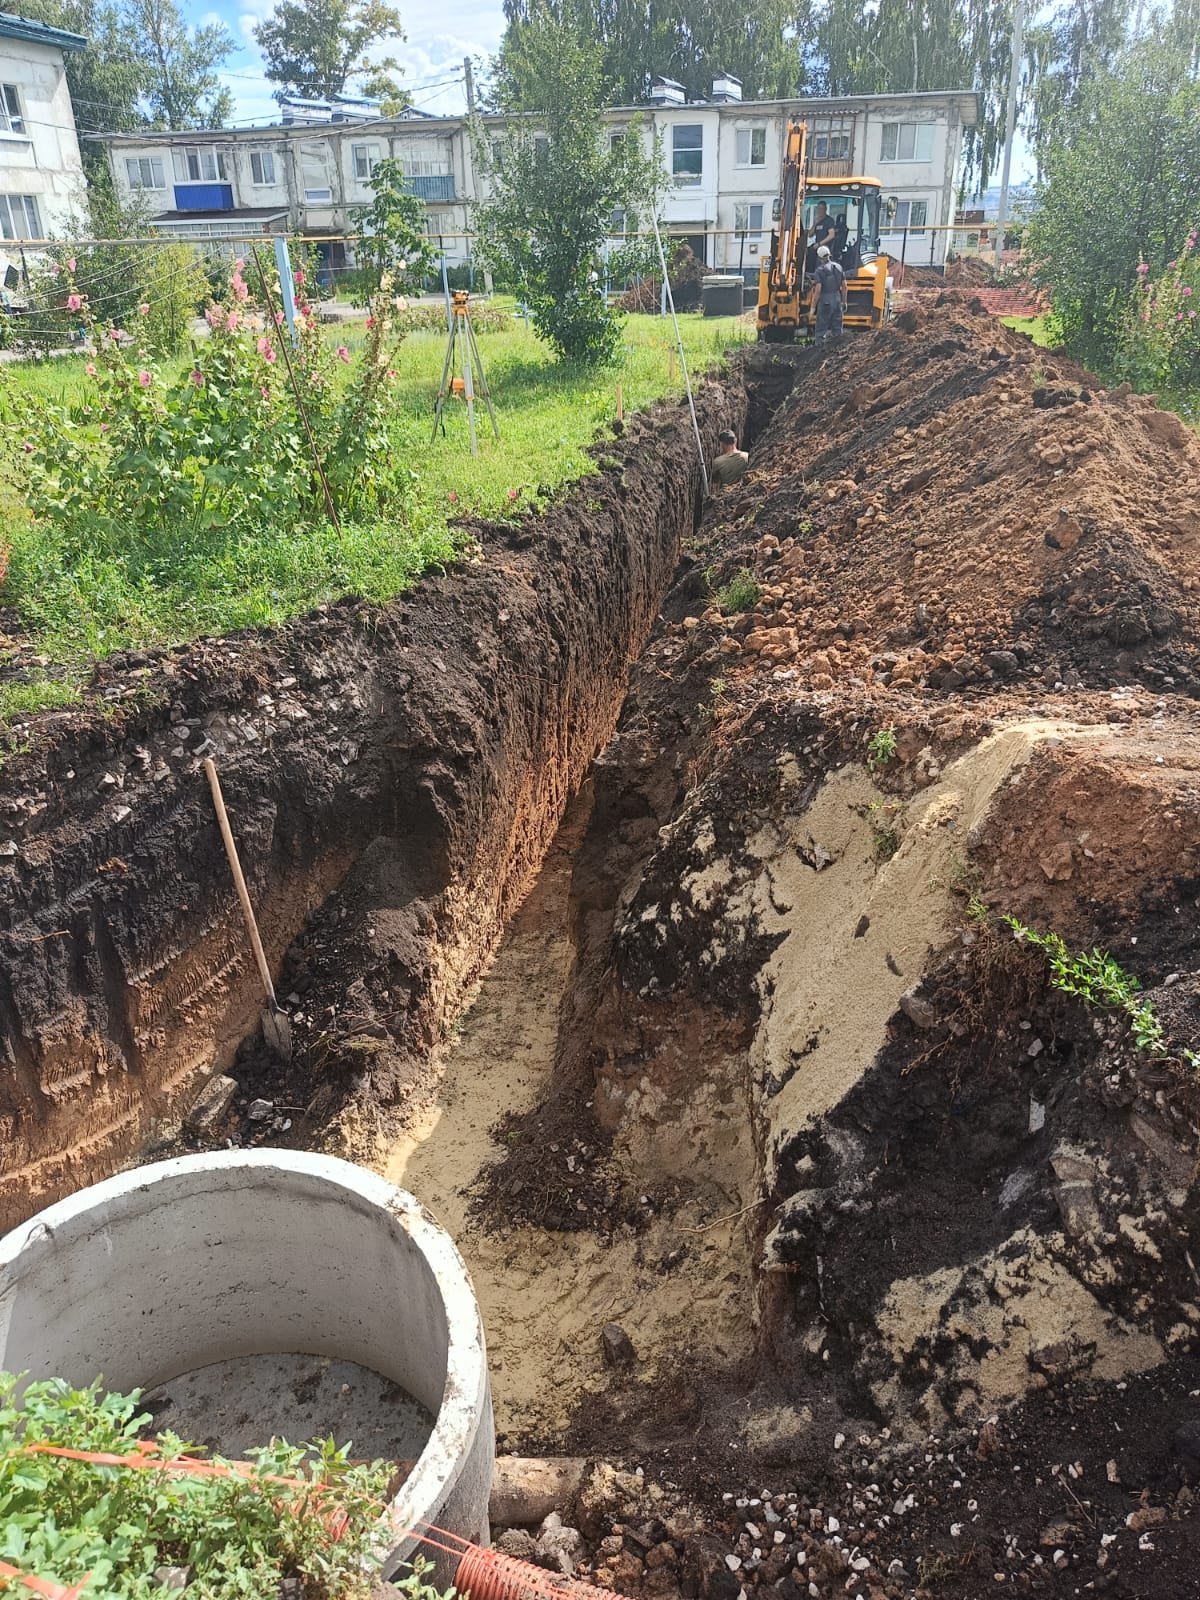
x: 264, y: 972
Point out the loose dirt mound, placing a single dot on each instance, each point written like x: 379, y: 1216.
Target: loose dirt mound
x: 945, y: 505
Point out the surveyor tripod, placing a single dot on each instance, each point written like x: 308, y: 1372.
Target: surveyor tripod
x: 462, y: 343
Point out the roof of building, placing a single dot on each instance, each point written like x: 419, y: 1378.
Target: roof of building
x: 14, y: 27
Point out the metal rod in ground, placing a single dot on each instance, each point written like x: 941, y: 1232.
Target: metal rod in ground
x: 469, y: 392
x: 330, y: 508
x: 687, y: 382
x: 275, y: 1022
x: 443, y: 386
x: 484, y: 391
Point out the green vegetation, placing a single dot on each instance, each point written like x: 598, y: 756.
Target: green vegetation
x: 83, y: 598
x: 1038, y: 328
x: 1094, y: 977
x: 554, y: 182
x: 41, y: 694
x: 884, y: 818
x: 881, y: 748
x: 741, y: 593
x: 303, y: 1513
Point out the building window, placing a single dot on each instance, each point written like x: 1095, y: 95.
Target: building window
x: 318, y: 197
x: 19, y: 217
x: 747, y: 218
x: 752, y: 147
x: 365, y: 158
x: 832, y: 146
x: 11, y: 120
x: 194, y: 165
x: 438, y: 223
x: 616, y: 223
x: 910, y: 214
x: 145, y: 172
x: 541, y: 148
x: 262, y: 166
x: 687, y: 153
x: 907, y: 141
x: 426, y: 158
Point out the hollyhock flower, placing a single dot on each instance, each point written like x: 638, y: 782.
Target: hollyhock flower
x: 1171, y: 264
x: 144, y: 309
x: 264, y: 391
x: 196, y: 376
x: 392, y: 373
x: 269, y: 357
x: 1187, y: 289
x: 239, y: 266
x: 90, y: 369
x: 145, y: 379
x: 453, y: 498
x: 27, y: 447
x: 116, y: 334
x: 264, y: 344
x: 1191, y: 316
x: 214, y: 316
x: 298, y: 277
x: 343, y: 354
x: 1143, y: 266
x: 71, y: 264
x: 232, y: 318
x: 512, y: 494
x: 73, y: 302
x: 104, y: 426
x: 279, y: 319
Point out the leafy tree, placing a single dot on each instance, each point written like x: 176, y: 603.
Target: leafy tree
x: 107, y: 79
x: 555, y: 183
x: 390, y: 232
x: 1065, y: 52
x: 1118, y: 187
x: 685, y: 40
x: 183, y: 89
x: 313, y: 47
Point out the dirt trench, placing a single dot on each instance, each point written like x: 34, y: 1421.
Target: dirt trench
x: 394, y: 774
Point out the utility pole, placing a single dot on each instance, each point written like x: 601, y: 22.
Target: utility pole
x: 1010, y: 124
x: 469, y: 80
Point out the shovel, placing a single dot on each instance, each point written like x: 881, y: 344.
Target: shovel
x: 275, y: 1026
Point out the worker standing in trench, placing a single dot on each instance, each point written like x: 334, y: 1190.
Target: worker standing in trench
x: 829, y: 296
x: 731, y: 463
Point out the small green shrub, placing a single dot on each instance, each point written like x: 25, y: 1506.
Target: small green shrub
x: 1097, y: 979
x: 884, y: 817
x: 881, y: 748
x: 240, y: 1535
x: 741, y: 593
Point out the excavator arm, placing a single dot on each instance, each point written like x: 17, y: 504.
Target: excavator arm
x: 781, y: 278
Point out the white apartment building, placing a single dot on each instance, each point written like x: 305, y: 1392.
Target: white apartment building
x: 41, y: 174
x: 722, y: 159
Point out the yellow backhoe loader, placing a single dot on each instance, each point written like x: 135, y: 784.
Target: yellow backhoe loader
x: 852, y: 207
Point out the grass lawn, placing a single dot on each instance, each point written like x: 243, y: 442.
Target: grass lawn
x: 92, y: 603
x: 1035, y: 327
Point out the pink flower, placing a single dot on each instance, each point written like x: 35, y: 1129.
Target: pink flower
x: 269, y: 357
x: 116, y: 334
x: 453, y: 498
x: 239, y: 265
x: 1143, y: 267
x: 1179, y: 316
x: 90, y: 369
x: 232, y: 318
x: 264, y: 391
x: 144, y: 309
x: 279, y: 319
x: 145, y: 379
x: 1191, y: 316
x: 240, y: 289
x: 392, y: 373
x: 214, y: 316
x: 1171, y: 264
x: 104, y: 426
x: 71, y: 264
x: 27, y: 447
x: 370, y: 322
x: 343, y: 354
x: 512, y: 494
x: 1187, y: 289
x: 196, y: 376
x: 298, y: 277
x: 73, y: 302
x: 263, y: 345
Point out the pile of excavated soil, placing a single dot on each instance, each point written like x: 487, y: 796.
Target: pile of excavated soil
x: 947, y: 506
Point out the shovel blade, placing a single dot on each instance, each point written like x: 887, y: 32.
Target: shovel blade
x: 277, y: 1032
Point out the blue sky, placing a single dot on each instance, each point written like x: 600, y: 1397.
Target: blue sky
x: 438, y: 36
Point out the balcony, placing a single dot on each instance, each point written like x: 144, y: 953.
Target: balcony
x: 831, y: 167
x: 437, y: 188
x: 204, y: 197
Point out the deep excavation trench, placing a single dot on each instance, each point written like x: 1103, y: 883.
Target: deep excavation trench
x: 656, y: 944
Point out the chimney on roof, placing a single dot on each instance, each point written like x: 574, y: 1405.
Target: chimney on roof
x: 666, y: 92
x: 726, y: 89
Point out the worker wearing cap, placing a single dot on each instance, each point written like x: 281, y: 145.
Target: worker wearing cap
x: 828, y: 296
x: 731, y: 463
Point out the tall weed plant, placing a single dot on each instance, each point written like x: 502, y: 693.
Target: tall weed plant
x: 1160, y: 337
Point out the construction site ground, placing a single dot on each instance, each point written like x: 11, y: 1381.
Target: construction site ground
x: 644, y: 914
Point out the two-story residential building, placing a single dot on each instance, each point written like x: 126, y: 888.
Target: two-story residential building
x: 722, y: 159
x: 41, y: 174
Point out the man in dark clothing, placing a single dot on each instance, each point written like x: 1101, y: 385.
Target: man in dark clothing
x: 828, y: 296
x: 824, y: 227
